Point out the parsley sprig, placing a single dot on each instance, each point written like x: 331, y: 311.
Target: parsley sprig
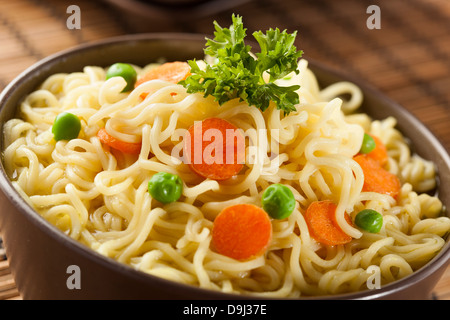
x: 238, y: 74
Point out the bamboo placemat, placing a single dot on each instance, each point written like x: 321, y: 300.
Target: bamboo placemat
x: 408, y: 58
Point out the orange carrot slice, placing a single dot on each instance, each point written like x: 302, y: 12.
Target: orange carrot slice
x: 170, y: 71
x: 117, y: 144
x: 241, y: 232
x: 376, y: 178
x: 380, y: 151
x: 323, y: 227
x: 214, y: 148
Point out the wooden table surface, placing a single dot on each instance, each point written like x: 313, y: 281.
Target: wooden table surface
x: 407, y: 58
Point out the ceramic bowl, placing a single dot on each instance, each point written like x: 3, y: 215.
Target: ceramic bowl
x: 40, y: 255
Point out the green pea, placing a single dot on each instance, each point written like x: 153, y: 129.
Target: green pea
x: 278, y: 201
x: 369, y: 220
x: 368, y: 144
x: 66, y: 126
x: 165, y: 187
x: 125, y: 71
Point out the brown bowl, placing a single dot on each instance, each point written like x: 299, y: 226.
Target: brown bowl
x: 159, y: 15
x: 40, y: 255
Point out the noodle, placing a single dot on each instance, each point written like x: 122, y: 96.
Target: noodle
x: 99, y: 196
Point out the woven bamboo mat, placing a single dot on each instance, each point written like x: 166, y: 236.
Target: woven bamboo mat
x: 408, y: 58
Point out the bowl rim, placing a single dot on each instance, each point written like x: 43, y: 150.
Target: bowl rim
x: 441, y: 259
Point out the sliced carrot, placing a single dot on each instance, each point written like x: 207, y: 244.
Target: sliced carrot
x: 380, y: 152
x: 214, y: 148
x: 170, y: 71
x: 323, y: 227
x: 241, y: 232
x: 376, y: 178
x: 117, y: 144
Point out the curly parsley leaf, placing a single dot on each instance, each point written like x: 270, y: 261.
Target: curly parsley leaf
x: 238, y: 74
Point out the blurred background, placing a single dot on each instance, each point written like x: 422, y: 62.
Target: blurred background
x: 407, y: 57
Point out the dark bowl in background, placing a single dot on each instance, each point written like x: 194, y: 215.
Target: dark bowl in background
x: 40, y: 255
x: 160, y: 15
